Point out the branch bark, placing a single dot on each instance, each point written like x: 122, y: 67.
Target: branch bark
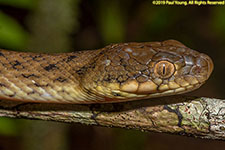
x: 192, y: 116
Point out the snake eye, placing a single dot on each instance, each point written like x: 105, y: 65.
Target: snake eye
x: 164, y: 69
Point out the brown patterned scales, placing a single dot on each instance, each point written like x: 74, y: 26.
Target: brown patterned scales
x: 118, y: 72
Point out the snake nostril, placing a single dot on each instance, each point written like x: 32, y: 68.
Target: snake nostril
x: 203, y: 68
x: 209, y: 63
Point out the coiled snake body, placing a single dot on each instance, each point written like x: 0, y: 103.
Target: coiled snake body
x: 118, y: 72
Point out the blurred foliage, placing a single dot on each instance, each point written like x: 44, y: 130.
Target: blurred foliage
x: 12, y: 34
x: 154, y: 22
x: 20, y: 3
x: 111, y: 21
x: 8, y: 127
x: 218, y: 23
x: 129, y: 140
x: 51, y: 24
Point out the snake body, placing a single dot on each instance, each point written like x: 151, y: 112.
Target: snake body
x: 115, y: 73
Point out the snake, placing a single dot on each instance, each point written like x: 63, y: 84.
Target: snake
x: 116, y: 73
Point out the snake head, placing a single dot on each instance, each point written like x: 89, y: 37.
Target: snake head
x: 143, y: 70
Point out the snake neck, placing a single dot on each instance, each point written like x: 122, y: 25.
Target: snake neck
x: 44, y: 77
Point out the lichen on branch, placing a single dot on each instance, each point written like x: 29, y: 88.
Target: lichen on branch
x: 193, y: 116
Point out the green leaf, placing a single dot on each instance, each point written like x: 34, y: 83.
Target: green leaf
x: 12, y: 35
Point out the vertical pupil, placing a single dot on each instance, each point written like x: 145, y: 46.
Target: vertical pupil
x: 164, y: 69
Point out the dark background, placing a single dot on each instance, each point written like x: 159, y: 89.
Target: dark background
x: 69, y: 25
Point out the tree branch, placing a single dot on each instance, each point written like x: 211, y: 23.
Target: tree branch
x: 193, y: 116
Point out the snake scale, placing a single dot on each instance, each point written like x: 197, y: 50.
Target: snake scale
x: 115, y: 73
